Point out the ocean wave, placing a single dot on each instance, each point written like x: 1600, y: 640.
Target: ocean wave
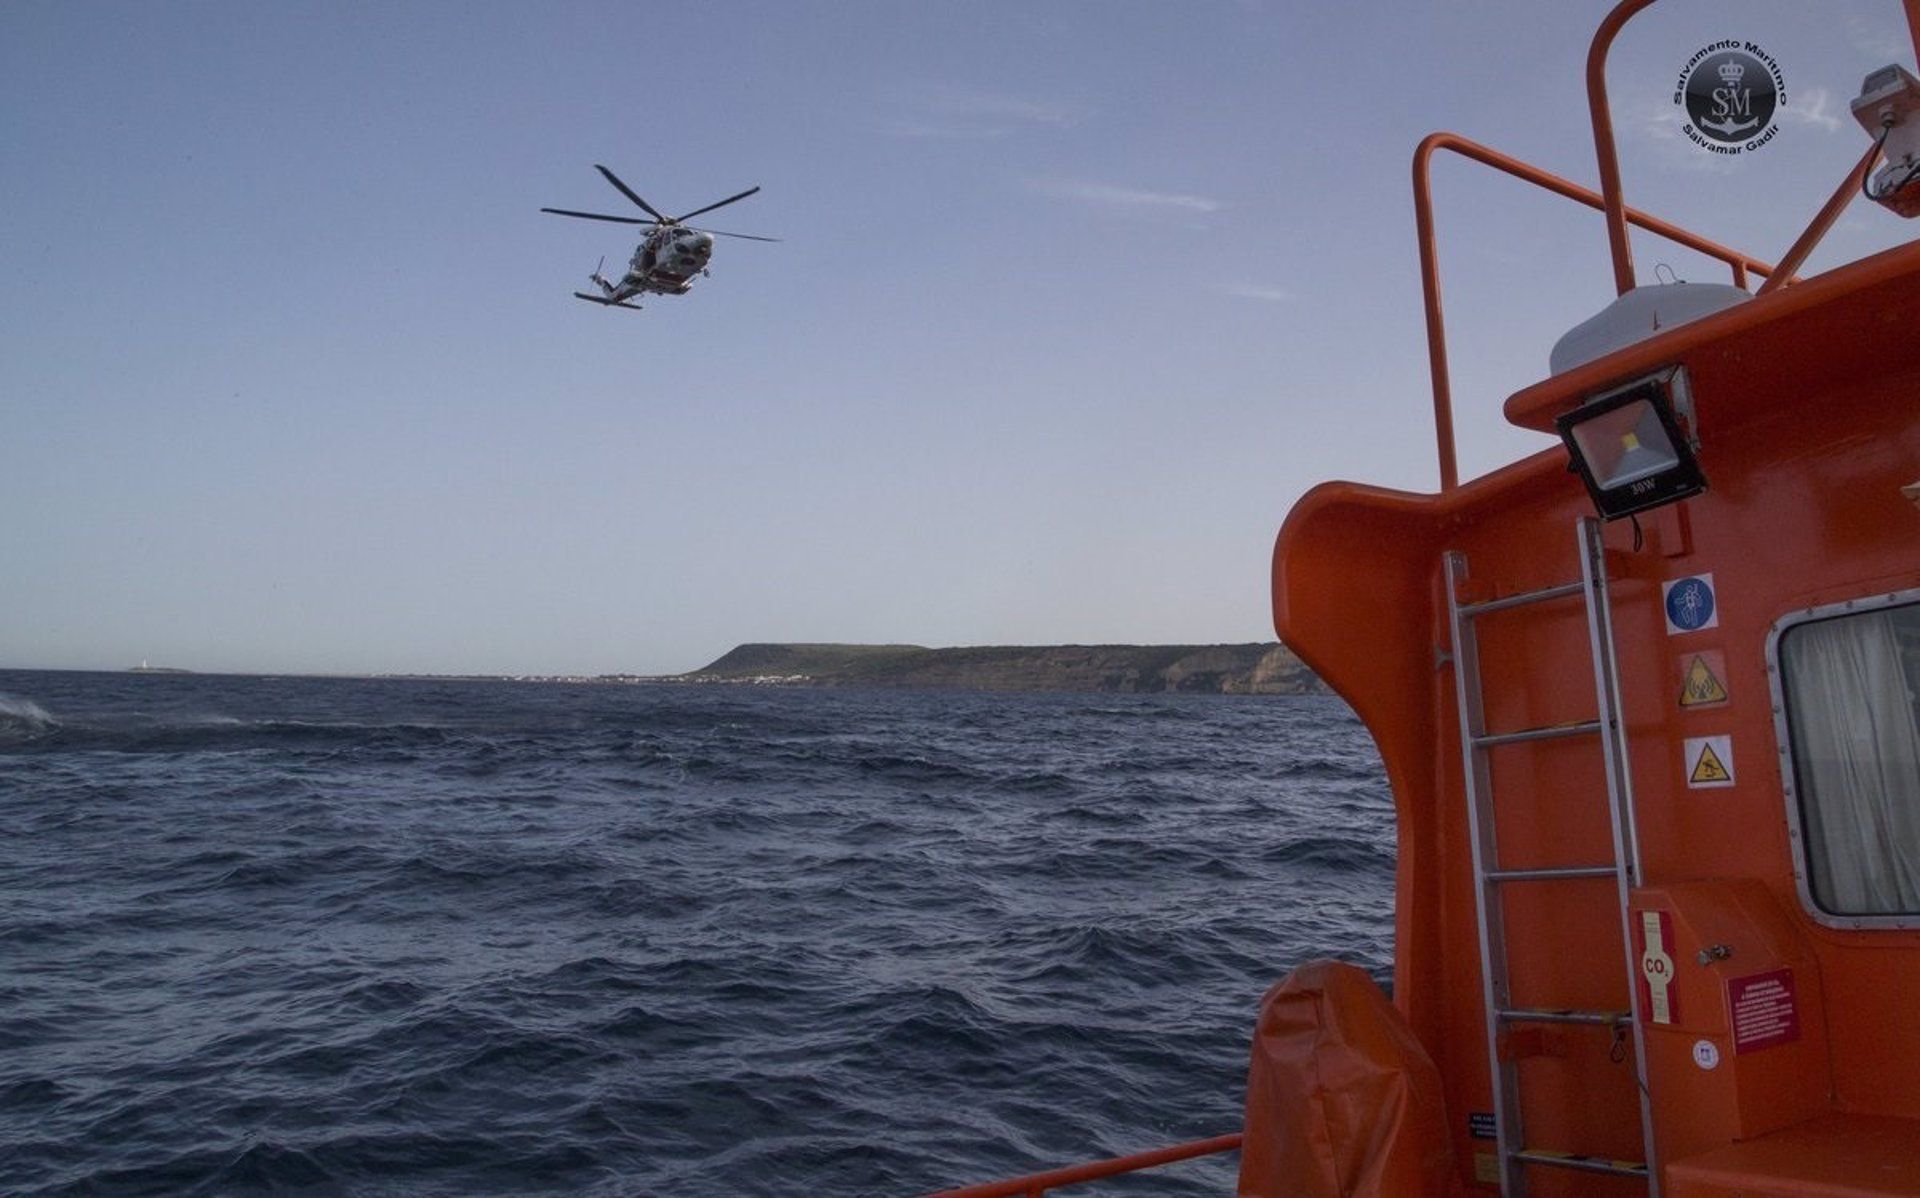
x: 382, y: 937
x: 23, y: 719
x: 1335, y: 853
x: 205, y: 733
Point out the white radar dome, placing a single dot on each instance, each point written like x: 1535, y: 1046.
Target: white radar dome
x: 1638, y: 315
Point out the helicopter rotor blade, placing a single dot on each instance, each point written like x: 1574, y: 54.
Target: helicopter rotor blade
x: 710, y: 207
x: 619, y: 220
x: 631, y: 194
x: 742, y: 236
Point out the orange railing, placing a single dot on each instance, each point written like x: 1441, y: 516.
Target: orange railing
x: 1741, y: 264
x: 1035, y: 1184
x: 1823, y: 220
x: 1614, y: 205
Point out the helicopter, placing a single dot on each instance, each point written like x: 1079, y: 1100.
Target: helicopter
x: 666, y: 260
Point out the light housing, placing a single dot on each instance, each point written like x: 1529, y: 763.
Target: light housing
x: 1888, y: 108
x: 1629, y: 447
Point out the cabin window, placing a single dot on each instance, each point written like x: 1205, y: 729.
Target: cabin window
x: 1850, y: 681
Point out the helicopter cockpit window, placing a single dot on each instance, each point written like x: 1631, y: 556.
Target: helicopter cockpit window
x: 1851, y: 684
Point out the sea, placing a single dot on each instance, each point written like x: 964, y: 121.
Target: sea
x: 298, y: 935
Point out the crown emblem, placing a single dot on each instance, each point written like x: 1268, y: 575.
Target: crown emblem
x: 1731, y: 71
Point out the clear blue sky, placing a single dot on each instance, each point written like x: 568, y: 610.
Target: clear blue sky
x: 1075, y: 300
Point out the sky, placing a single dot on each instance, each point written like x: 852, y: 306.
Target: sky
x: 1073, y: 301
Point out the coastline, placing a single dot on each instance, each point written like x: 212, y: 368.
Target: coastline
x: 1255, y: 668
x: 1259, y: 668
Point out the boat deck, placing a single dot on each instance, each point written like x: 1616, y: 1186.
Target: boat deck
x: 1833, y: 1156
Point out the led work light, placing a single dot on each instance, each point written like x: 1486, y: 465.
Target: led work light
x: 1630, y: 448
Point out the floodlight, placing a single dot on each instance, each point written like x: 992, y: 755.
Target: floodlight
x: 1630, y: 449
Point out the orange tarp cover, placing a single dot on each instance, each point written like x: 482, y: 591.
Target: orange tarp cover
x: 1342, y: 1100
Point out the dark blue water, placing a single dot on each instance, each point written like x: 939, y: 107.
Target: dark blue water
x: 389, y: 937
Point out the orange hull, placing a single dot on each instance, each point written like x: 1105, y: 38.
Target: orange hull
x: 1809, y: 413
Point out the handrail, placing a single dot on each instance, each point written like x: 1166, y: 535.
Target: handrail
x: 1033, y: 1185
x: 1615, y: 203
x: 1740, y: 263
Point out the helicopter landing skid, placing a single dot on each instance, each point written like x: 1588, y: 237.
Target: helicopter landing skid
x: 604, y: 302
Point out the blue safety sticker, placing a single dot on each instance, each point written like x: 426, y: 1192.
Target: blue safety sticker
x: 1690, y: 604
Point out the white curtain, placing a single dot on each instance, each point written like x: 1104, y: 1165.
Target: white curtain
x: 1856, y: 751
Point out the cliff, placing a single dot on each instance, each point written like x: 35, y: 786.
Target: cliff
x: 1254, y: 669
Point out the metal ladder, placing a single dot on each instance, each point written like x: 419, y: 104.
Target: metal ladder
x: 1491, y: 876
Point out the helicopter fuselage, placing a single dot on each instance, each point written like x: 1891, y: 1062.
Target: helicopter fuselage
x: 666, y: 263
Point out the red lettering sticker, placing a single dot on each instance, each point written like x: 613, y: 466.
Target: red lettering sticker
x: 1762, y: 1010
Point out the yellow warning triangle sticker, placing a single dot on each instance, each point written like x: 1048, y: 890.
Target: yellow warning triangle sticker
x: 1701, y: 686
x: 1708, y: 768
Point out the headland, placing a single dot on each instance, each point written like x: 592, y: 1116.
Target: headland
x: 1247, y: 669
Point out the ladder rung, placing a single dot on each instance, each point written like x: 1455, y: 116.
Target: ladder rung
x: 1470, y: 610
x: 1547, y: 733
x: 1573, y: 1160
x: 1541, y: 1015
x: 1551, y: 874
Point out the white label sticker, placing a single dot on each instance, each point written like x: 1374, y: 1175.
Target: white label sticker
x: 1709, y: 762
x: 1706, y: 1054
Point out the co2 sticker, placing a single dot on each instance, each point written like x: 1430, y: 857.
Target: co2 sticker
x: 1706, y: 1054
x: 1691, y: 604
x: 1709, y: 762
x: 1659, y: 999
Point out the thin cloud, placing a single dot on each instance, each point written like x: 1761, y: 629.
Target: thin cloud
x: 1815, y: 108
x: 940, y: 111
x: 948, y: 131
x: 1658, y: 122
x: 1108, y: 195
x: 1258, y: 291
